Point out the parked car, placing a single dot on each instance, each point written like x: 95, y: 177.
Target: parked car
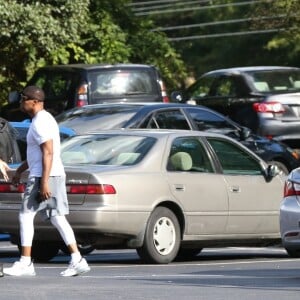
x: 175, y: 116
x: 68, y: 86
x: 264, y: 99
x: 290, y: 214
x: 162, y: 192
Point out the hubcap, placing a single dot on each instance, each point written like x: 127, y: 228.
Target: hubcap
x: 164, y: 236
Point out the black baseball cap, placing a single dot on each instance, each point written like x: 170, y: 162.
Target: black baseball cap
x: 33, y: 93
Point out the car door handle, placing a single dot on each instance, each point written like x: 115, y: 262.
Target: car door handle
x: 179, y: 187
x: 235, y: 189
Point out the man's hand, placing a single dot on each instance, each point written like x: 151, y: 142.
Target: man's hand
x: 3, y: 169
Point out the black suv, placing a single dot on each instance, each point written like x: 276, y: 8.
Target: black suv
x: 265, y: 99
x: 68, y: 86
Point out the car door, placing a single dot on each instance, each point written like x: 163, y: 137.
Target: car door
x: 253, y: 201
x: 201, y: 192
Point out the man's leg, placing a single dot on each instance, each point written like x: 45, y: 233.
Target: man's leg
x: 78, y: 264
x: 24, y: 267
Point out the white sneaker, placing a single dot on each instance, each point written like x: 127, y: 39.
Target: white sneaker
x: 20, y: 269
x: 76, y: 269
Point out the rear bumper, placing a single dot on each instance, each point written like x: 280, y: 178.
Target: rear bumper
x: 130, y: 224
x: 279, y: 130
x: 290, y: 223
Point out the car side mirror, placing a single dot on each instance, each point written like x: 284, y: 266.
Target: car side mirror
x: 272, y: 171
x: 13, y: 97
x: 244, y: 133
x: 176, y: 96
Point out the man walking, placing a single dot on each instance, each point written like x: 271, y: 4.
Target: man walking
x: 45, y: 191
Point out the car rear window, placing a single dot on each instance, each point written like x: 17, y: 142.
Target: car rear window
x: 105, y: 149
x: 98, y: 117
x: 113, y: 83
x: 275, y: 80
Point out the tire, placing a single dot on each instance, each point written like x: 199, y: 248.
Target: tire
x: 83, y: 248
x: 281, y: 166
x: 188, y: 252
x: 43, y: 251
x: 295, y: 253
x: 162, y: 237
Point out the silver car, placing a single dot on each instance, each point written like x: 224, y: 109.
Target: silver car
x: 165, y: 193
x: 290, y: 214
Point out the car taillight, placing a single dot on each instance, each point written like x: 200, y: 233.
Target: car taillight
x: 164, y: 92
x: 290, y: 190
x: 272, y: 107
x: 98, y: 189
x: 82, y: 95
x: 8, y: 187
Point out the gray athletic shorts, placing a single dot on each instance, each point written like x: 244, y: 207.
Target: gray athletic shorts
x: 57, y: 205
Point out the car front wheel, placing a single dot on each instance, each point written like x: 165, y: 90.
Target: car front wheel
x: 162, y: 237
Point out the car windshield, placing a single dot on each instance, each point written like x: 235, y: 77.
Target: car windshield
x: 106, y: 149
x: 98, y: 118
x: 113, y: 83
x: 275, y: 80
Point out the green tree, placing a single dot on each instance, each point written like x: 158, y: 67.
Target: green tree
x: 283, y: 15
x: 38, y: 33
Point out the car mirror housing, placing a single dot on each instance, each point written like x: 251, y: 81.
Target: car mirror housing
x: 244, y: 133
x: 272, y: 171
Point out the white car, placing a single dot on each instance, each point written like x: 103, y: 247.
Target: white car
x: 290, y: 214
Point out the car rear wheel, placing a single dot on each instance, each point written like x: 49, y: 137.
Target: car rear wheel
x: 84, y: 249
x: 43, y: 251
x: 281, y: 166
x: 162, y: 237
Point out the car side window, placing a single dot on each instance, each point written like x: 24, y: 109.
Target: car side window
x: 225, y: 87
x: 206, y: 120
x: 201, y: 88
x: 188, y: 154
x: 168, y: 119
x: 234, y: 160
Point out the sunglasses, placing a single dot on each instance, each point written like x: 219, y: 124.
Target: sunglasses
x: 25, y: 98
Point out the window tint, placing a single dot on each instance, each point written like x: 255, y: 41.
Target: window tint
x: 225, y: 87
x: 234, y: 160
x: 201, y: 88
x: 206, y: 120
x: 56, y: 85
x: 188, y: 154
x: 171, y: 119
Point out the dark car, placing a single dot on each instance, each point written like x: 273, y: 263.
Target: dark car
x: 264, y: 99
x: 175, y: 116
x: 68, y: 86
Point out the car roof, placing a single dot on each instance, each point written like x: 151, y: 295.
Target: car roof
x: 140, y: 104
x: 237, y: 70
x: 156, y: 132
x: 97, y: 66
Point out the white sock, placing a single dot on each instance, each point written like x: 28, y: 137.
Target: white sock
x: 26, y: 260
x: 75, y: 257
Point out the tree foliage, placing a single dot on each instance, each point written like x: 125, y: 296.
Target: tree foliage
x: 283, y: 15
x: 38, y: 33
